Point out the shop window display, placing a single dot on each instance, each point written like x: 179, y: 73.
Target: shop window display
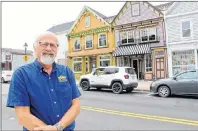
x: 183, y: 61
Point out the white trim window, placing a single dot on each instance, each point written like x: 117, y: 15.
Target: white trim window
x: 148, y: 34
x: 127, y: 37
x: 148, y: 63
x: 186, y: 29
x: 87, y: 21
x: 102, y: 40
x: 77, y: 64
x: 77, y: 44
x: 88, y: 42
x: 135, y: 9
x: 104, y: 60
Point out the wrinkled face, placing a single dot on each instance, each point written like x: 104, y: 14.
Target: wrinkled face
x: 46, y: 48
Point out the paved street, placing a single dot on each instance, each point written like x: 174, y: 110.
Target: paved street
x: 103, y: 110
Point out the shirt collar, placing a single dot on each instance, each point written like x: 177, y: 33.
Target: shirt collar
x: 40, y: 67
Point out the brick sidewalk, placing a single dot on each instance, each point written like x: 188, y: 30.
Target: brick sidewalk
x: 142, y: 85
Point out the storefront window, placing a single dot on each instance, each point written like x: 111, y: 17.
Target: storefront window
x: 104, y: 61
x: 183, y: 61
x: 77, y: 64
x: 148, y: 63
x: 126, y: 61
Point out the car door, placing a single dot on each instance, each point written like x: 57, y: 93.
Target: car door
x: 186, y: 83
x: 96, y: 78
x: 106, y: 78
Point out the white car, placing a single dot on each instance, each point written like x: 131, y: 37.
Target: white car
x: 6, y: 76
x: 115, y: 78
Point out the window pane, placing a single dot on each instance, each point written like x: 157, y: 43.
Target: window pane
x: 102, y: 40
x: 124, y: 37
x: 144, y: 35
x: 130, y: 70
x: 187, y: 75
x: 77, y: 67
x: 152, y: 34
x: 135, y: 9
x: 186, y: 25
x: 89, y: 42
x: 186, y: 33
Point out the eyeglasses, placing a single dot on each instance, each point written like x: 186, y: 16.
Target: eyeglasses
x: 45, y: 45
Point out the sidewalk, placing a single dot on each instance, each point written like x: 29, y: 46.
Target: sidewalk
x: 142, y: 85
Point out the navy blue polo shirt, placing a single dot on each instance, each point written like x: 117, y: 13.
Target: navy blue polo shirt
x: 48, y: 96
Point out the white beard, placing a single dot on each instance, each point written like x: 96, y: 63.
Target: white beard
x: 48, y: 60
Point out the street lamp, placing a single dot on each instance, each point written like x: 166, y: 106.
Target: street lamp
x: 25, y: 45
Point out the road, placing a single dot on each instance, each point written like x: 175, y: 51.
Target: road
x: 103, y: 110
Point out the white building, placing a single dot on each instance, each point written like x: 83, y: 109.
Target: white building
x: 181, y: 22
x: 61, y: 32
x: 13, y: 58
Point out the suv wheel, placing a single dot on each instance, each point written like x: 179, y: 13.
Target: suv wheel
x: 85, y: 85
x: 129, y: 90
x: 117, y: 87
x: 164, y: 91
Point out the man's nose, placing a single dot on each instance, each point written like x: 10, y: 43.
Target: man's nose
x: 48, y: 47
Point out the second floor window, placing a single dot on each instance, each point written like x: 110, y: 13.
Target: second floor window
x: 77, y: 44
x: 102, y: 40
x: 186, y: 31
x: 88, y: 42
x: 148, y: 34
x: 127, y: 37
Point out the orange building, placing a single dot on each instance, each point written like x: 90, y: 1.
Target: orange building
x: 91, y: 42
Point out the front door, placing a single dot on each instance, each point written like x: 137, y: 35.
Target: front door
x: 160, y: 73
x: 136, y: 67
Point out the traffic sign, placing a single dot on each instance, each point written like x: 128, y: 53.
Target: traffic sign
x: 25, y: 58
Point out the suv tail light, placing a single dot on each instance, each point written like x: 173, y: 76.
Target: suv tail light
x: 126, y: 76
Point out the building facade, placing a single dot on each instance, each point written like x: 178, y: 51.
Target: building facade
x: 181, y: 22
x: 13, y: 58
x: 91, y: 42
x: 140, y: 40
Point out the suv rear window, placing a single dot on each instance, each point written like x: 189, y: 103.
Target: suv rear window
x: 130, y: 71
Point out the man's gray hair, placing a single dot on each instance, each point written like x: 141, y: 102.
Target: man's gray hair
x: 43, y: 34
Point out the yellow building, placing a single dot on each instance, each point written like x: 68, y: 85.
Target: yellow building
x: 91, y: 42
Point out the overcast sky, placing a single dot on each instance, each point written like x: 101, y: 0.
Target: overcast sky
x: 22, y: 21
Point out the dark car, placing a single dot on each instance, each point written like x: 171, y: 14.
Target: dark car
x: 185, y: 83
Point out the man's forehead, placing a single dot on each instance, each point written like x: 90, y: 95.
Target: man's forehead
x: 47, y: 37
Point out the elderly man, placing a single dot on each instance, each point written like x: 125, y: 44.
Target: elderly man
x: 43, y: 93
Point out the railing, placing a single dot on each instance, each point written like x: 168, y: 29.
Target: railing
x: 139, y: 41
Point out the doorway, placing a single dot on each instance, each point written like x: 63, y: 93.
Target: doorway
x: 136, y: 66
x: 160, y: 68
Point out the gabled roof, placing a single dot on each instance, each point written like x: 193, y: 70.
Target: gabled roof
x: 164, y: 7
x: 61, y: 27
x: 134, y: 1
x: 171, y: 7
x: 98, y: 15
